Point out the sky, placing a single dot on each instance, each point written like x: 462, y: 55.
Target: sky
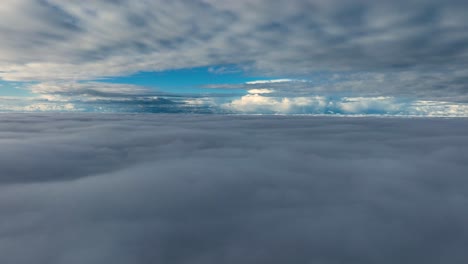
x: 233, y: 131
x: 177, y: 189
x: 358, y: 57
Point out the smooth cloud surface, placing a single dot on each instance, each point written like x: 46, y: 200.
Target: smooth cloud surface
x: 232, y: 189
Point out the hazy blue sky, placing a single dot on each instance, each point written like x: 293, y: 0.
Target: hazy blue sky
x: 402, y: 57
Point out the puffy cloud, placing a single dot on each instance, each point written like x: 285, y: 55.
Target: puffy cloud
x: 232, y: 189
x: 258, y: 104
x: 255, y: 103
x: 437, y: 108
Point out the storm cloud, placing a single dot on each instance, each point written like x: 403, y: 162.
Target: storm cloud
x: 85, y: 188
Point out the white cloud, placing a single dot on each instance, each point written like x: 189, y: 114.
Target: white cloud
x: 200, y: 102
x: 260, y: 91
x: 274, y: 81
x: 40, y: 107
x: 260, y: 104
x: 437, y: 108
x: 255, y: 103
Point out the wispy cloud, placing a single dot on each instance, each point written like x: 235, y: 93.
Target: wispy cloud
x: 274, y: 81
x: 103, y: 97
x: 90, y: 90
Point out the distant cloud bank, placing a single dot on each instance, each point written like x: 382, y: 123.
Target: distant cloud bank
x: 257, y: 101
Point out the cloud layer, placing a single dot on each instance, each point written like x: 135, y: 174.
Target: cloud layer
x: 80, y: 40
x: 237, y: 189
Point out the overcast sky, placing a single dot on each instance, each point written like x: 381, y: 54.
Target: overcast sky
x: 401, y: 57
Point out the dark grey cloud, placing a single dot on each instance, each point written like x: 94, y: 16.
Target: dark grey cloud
x: 113, y: 104
x: 90, y: 188
x: 91, y: 90
x: 106, y: 97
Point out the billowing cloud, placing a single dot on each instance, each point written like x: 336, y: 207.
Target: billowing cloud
x: 232, y: 189
x: 257, y: 103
